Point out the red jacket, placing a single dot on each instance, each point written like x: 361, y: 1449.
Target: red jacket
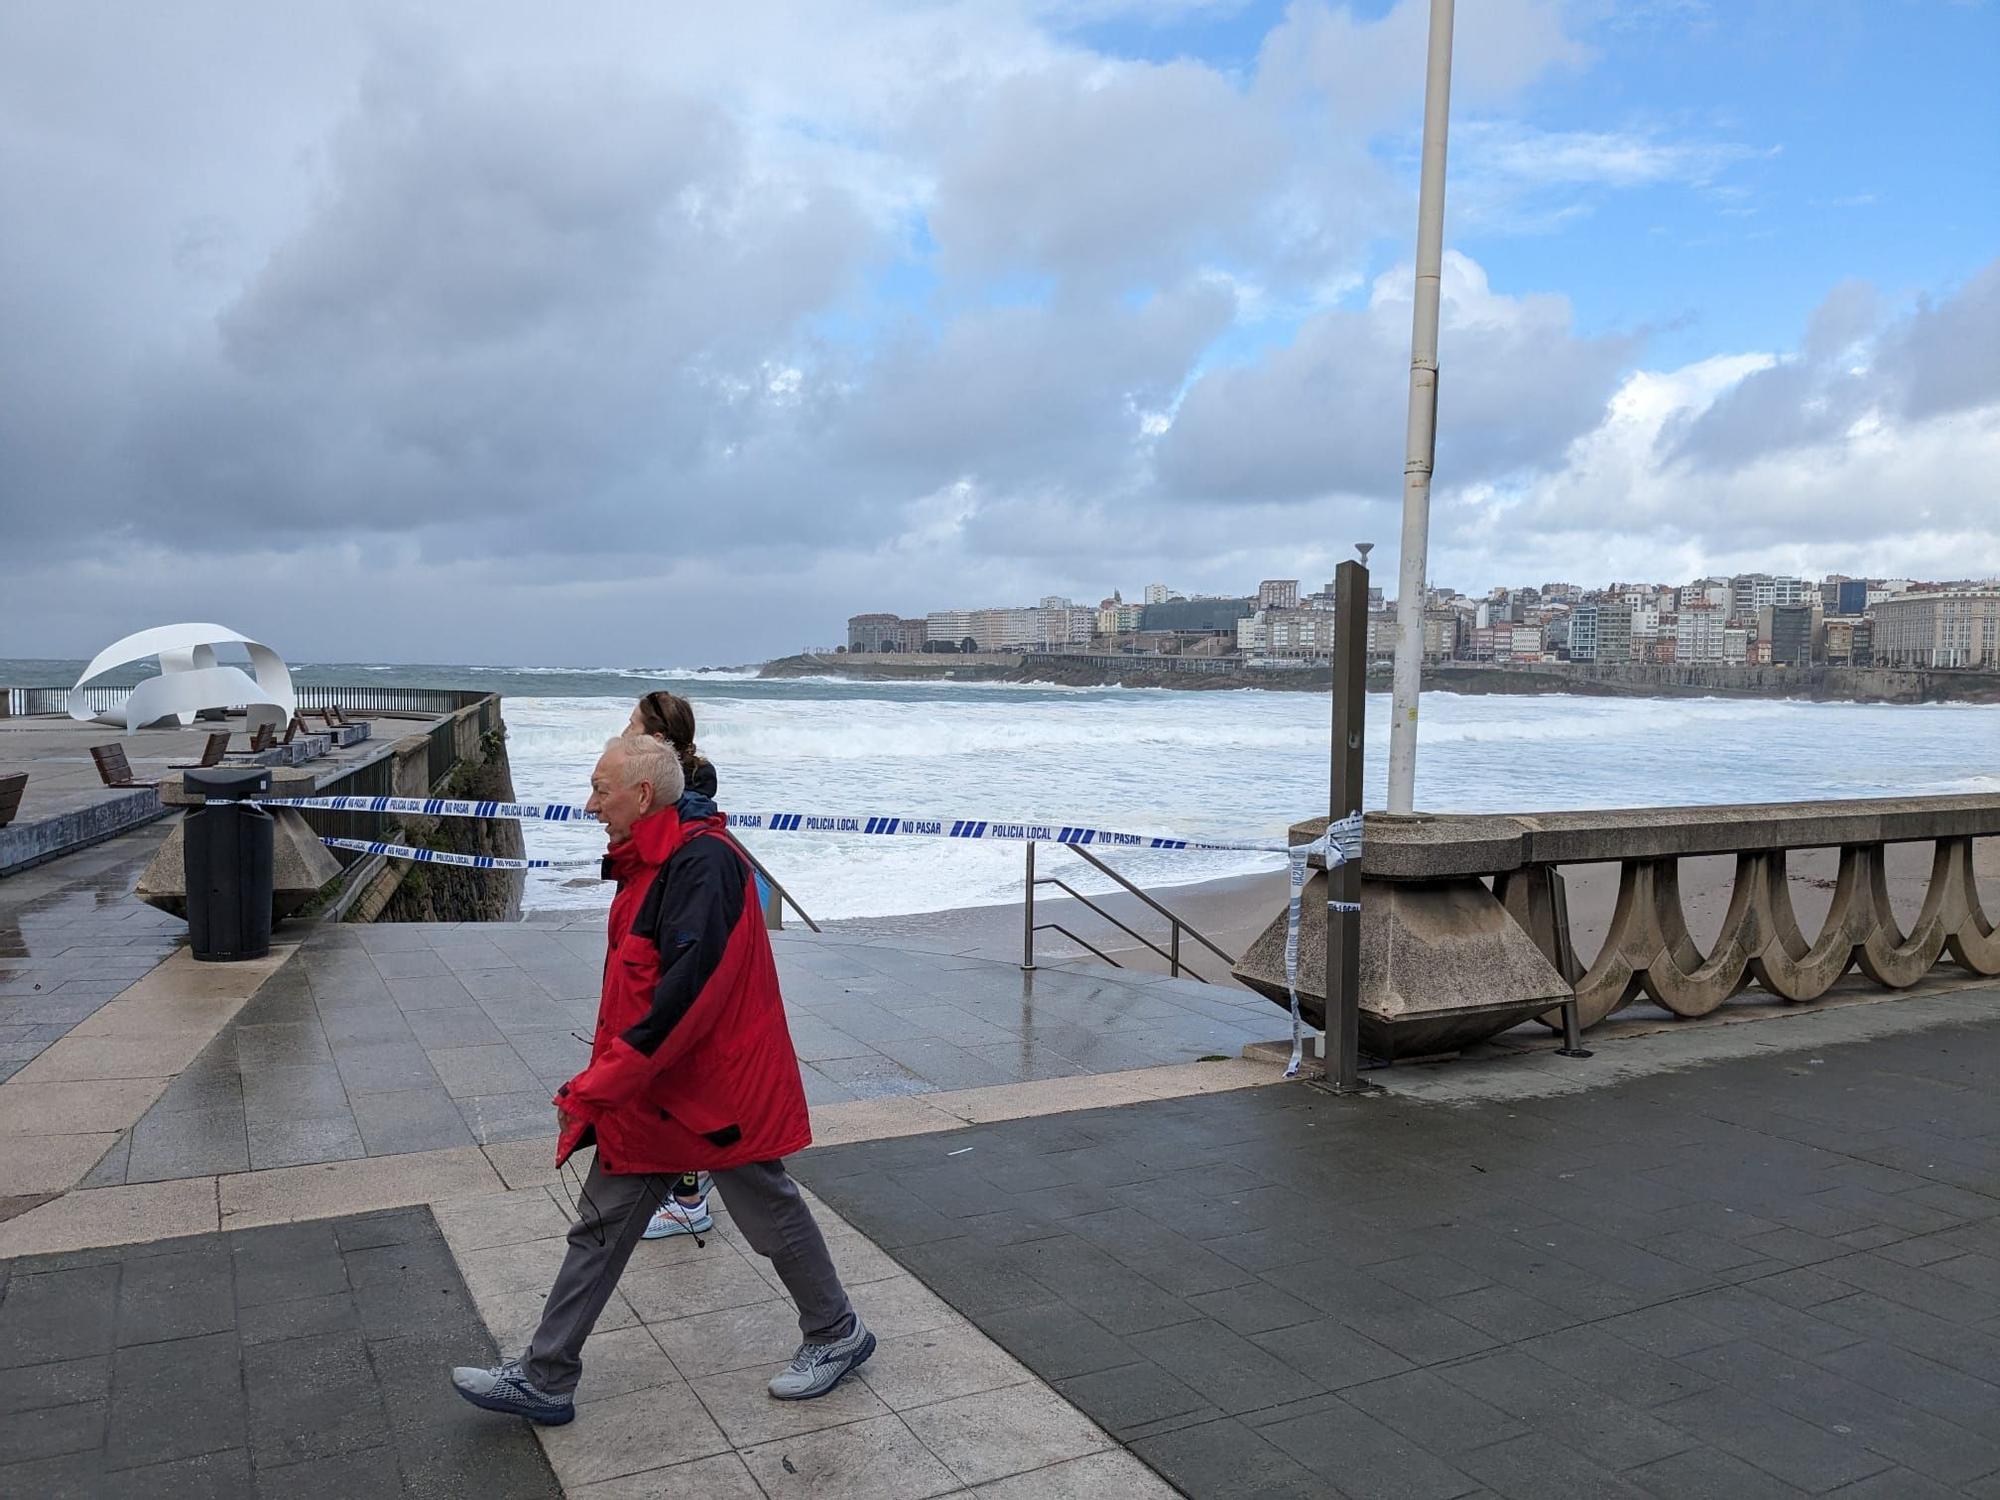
x: 692, y: 1067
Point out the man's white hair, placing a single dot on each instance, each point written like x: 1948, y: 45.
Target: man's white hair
x: 640, y: 757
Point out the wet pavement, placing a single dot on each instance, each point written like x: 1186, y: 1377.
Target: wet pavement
x: 377, y: 1040
x: 1773, y: 1276
x: 298, y: 1360
x: 72, y: 936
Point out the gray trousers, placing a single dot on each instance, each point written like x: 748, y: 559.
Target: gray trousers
x: 764, y: 1204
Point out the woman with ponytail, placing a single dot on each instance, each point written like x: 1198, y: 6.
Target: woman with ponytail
x: 669, y: 717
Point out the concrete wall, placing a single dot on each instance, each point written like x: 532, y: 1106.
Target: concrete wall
x: 24, y: 844
x: 1637, y: 680
x: 405, y: 892
x: 1829, y: 684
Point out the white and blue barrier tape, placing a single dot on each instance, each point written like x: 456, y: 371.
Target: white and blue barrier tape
x: 1340, y: 843
x: 436, y: 856
x: 874, y: 825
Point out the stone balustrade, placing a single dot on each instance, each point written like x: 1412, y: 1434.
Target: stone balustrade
x: 1465, y: 926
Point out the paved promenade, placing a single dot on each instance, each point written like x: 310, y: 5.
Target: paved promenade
x: 300, y: 1360
x: 1770, y: 1276
x: 72, y: 938
x: 378, y: 1041
x: 257, y: 1210
x: 391, y: 1084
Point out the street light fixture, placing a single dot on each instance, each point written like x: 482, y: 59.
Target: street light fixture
x: 1421, y: 432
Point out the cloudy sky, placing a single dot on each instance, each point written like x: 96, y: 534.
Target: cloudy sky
x: 651, y: 333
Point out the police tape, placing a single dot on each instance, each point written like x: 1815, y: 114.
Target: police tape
x: 436, y: 856
x: 1347, y: 832
x: 1340, y: 844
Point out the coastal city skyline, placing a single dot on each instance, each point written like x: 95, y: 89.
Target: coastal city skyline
x: 1738, y: 620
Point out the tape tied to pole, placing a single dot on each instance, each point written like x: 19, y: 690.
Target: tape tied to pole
x: 1299, y: 855
x: 1339, y: 844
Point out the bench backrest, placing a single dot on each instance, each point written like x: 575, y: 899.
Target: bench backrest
x: 11, y: 787
x: 112, y: 765
x: 216, y: 748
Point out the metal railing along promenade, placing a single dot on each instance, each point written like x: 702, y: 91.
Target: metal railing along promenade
x: 22, y: 702
x: 387, y: 700
x: 1176, y: 925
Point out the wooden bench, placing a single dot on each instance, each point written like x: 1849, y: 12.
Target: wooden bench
x: 264, y: 737
x: 211, y: 754
x: 11, y: 787
x: 297, y: 727
x: 335, y: 719
x: 115, y: 769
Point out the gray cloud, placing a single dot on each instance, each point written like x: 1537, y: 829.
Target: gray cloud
x: 1941, y: 357
x: 1325, y: 414
x: 1129, y: 174
x: 695, y: 331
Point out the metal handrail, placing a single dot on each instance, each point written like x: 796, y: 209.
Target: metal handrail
x: 1123, y: 927
x: 1192, y: 931
x: 22, y: 702
x: 777, y: 885
x: 1176, y: 925
x: 1082, y: 943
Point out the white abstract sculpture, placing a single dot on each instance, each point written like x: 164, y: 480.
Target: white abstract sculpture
x: 190, y: 679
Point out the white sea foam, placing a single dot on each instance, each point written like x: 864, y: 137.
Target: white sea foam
x: 1218, y: 763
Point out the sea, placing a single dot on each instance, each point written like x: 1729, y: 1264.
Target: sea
x: 1235, y: 764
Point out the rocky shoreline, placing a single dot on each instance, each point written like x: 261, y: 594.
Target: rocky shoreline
x: 1819, y: 684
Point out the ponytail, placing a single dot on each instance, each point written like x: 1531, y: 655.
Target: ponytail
x: 670, y: 717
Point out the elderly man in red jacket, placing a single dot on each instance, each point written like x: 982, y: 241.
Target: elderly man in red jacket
x: 692, y: 1070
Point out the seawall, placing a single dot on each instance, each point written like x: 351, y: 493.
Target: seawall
x: 891, y: 666
x: 1814, y: 684
x: 1819, y: 684
x: 400, y: 891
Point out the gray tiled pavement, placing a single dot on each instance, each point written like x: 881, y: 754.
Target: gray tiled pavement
x: 300, y: 1360
x: 72, y: 936
x: 1775, y: 1276
x: 376, y: 1040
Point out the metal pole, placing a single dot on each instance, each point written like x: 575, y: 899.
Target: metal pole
x: 1343, y: 882
x: 1566, y: 955
x: 1421, y: 431
x: 1174, y: 958
x: 1028, y: 915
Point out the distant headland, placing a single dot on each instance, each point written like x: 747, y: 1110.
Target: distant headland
x: 1819, y: 683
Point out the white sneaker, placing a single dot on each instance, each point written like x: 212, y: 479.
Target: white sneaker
x: 505, y: 1388
x: 818, y: 1368
x: 675, y: 1217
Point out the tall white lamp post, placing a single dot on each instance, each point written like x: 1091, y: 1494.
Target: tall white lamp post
x: 1421, y: 450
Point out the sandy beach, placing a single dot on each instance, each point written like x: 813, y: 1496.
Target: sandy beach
x: 1233, y: 912
x: 1229, y: 912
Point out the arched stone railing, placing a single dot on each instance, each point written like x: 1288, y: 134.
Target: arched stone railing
x: 1648, y: 950
x: 1440, y: 970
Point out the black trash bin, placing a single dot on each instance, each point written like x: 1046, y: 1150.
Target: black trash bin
x: 228, y: 862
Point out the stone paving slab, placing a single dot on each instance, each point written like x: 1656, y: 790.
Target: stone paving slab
x: 672, y: 1401
x: 1769, y: 1275
x: 378, y: 1041
x: 301, y: 1360
x: 72, y: 938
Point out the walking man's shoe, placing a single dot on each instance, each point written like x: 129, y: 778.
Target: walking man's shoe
x: 817, y: 1368
x: 507, y: 1389
x: 676, y: 1218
